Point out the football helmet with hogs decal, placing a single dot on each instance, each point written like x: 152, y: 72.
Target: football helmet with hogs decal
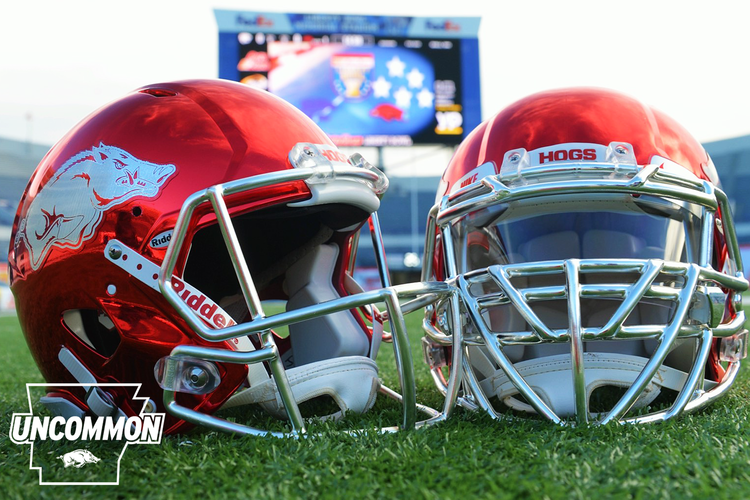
x: 152, y: 236
x: 596, y: 268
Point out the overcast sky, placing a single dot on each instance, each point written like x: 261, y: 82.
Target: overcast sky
x: 59, y: 60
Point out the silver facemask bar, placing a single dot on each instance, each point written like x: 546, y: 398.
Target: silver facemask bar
x: 697, y: 281
x: 262, y: 325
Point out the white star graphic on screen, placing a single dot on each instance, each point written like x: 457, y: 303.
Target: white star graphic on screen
x: 381, y: 87
x: 395, y: 67
x: 425, y: 98
x: 403, y: 97
x: 415, y: 79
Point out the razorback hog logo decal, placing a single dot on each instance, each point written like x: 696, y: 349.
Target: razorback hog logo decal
x: 69, y: 209
x: 78, y: 458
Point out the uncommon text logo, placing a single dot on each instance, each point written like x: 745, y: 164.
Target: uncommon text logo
x: 142, y: 430
x: 64, y: 444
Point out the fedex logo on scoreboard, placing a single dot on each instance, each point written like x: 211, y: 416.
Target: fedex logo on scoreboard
x: 446, y: 25
x: 254, y: 21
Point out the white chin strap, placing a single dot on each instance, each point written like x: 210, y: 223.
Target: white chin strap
x: 551, y: 377
x: 351, y: 381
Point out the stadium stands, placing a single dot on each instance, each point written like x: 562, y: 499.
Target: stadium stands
x: 732, y: 160
x: 404, y: 209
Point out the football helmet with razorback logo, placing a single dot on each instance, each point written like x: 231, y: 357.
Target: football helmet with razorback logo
x: 594, y: 256
x: 150, y: 236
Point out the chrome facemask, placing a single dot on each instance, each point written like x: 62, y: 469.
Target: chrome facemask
x: 191, y: 369
x: 508, y: 306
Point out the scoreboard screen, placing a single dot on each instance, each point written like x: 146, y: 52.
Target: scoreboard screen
x: 365, y: 80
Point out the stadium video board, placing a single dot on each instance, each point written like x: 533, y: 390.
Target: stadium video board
x: 366, y: 80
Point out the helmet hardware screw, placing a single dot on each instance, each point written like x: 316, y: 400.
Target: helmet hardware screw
x: 197, y: 377
x: 115, y: 252
x: 442, y: 320
x: 737, y: 298
x: 621, y: 150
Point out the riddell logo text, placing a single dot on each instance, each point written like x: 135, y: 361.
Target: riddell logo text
x: 161, y: 240
x: 567, y: 155
x: 205, y: 307
x: 145, y: 429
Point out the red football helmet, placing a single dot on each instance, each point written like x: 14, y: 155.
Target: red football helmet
x: 595, y: 262
x: 149, y: 236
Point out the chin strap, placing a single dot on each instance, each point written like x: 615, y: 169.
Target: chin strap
x: 99, y: 402
x: 551, y: 378
x: 351, y: 381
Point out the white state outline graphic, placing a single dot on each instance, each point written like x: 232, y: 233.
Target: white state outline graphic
x: 137, y: 387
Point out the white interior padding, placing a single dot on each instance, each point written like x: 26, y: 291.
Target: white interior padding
x: 351, y: 381
x: 551, y: 377
x: 309, y: 282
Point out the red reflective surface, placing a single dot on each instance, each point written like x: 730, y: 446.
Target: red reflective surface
x: 585, y: 115
x: 211, y: 132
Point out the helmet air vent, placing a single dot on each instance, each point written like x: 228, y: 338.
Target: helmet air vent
x: 159, y: 92
x: 94, y: 328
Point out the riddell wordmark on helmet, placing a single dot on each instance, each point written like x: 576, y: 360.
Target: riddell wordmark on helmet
x: 161, y: 240
x: 204, y: 306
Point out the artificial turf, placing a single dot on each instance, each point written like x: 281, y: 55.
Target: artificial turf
x: 702, y: 455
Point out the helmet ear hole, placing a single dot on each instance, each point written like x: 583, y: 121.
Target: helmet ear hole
x: 605, y: 397
x: 320, y: 405
x: 94, y: 328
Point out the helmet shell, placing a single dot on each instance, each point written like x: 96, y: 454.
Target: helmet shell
x: 577, y: 115
x: 123, y: 173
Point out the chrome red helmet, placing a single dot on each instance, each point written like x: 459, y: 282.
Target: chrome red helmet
x: 151, y: 235
x: 597, y: 270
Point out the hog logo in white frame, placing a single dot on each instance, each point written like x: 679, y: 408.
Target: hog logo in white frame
x: 78, y: 458
x: 68, y: 210
x: 32, y: 427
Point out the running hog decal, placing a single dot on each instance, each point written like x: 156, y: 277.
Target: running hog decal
x: 61, y: 216
x: 78, y: 458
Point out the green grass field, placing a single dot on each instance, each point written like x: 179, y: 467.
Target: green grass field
x: 703, y: 455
